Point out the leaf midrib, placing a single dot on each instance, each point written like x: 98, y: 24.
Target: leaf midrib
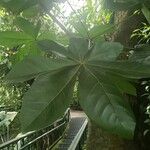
x: 42, y: 72
x: 106, y: 67
x: 61, y: 90
x: 109, y: 99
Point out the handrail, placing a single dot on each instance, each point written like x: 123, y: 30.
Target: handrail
x: 59, y: 123
x: 78, y: 137
x: 42, y: 136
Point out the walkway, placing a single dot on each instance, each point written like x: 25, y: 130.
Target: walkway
x: 74, y: 132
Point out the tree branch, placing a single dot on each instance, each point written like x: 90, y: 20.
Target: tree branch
x: 56, y: 20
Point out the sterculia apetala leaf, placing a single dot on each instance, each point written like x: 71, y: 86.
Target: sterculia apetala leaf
x: 105, y: 105
x: 48, y: 98
x: 103, y: 80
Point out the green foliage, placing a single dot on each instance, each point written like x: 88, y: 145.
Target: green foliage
x: 100, y: 95
x: 6, y: 20
x: 89, y: 61
x: 24, y: 40
x: 144, y: 5
x: 142, y: 34
x: 51, y: 46
x: 81, y: 21
x: 104, y: 104
x: 17, y: 6
x: 28, y: 27
x: 10, y: 96
x: 106, y: 51
x: 99, y: 30
x: 52, y: 99
x: 24, y: 27
x: 141, y: 54
x: 31, y: 67
x: 14, y: 38
x: 146, y: 12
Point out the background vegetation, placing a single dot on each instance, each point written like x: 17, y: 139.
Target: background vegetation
x: 32, y: 31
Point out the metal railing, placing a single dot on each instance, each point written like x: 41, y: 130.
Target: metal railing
x: 79, y: 140
x: 43, y: 139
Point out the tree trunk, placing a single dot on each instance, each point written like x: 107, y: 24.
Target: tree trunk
x: 99, y: 139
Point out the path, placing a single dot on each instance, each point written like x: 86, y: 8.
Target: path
x: 74, y: 133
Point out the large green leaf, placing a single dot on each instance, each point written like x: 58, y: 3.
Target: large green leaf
x: 47, y: 35
x: 106, y: 51
x: 31, y: 12
x: 47, y: 100
x: 104, y: 104
x: 14, y: 38
x: 30, y: 49
x: 126, y: 69
x: 146, y: 13
x: 102, y: 83
x: 16, y: 6
x: 51, y: 46
x: 100, y: 30
x: 26, y: 26
x: 123, y: 84
x: 81, y: 28
x: 33, y: 66
x: 79, y: 47
x: 141, y: 54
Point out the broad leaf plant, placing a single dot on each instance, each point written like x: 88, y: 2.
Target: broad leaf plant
x: 102, y: 78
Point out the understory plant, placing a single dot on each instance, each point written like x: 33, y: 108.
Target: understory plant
x: 90, y: 61
x: 102, y: 82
